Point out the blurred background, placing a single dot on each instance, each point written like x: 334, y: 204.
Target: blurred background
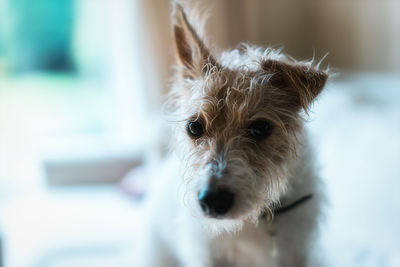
x: 81, y: 88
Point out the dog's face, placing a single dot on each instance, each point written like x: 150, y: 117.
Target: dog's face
x: 238, y: 123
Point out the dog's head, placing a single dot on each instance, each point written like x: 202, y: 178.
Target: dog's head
x: 238, y: 122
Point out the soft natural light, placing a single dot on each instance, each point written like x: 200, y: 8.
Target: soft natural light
x: 83, y: 131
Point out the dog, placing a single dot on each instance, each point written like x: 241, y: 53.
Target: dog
x: 239, y: 187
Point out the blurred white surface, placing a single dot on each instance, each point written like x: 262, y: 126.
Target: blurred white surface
x: 356, y: 132
x: 73, y: 226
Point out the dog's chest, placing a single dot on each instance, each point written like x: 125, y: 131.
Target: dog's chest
x: 251, y: 247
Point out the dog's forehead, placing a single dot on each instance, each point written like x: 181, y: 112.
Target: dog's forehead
x: 229, y: 97
x: 239, y: 89
x: 230, y: 86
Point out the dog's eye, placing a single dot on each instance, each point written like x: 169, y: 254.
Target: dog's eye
x: 259, y: 129
x: 195, y: 129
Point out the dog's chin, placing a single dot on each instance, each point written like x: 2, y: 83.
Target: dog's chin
x: 220, y: 226
x: 230, y: 223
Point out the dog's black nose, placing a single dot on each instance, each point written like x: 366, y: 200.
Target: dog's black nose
x: 216, y: 202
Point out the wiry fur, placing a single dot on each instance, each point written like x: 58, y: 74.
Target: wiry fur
x: 226, y: 94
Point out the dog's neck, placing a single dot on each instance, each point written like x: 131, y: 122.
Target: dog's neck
x: 269, y: 215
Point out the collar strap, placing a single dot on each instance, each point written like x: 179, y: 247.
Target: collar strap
x: 268, y: 215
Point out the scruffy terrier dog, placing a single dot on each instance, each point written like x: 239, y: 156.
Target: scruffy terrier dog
x: 240, y: 187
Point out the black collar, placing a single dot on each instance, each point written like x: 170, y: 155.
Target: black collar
x: 268, y: 215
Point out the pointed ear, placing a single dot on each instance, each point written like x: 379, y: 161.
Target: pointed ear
x: 302, y: 82
x: 191, y: 52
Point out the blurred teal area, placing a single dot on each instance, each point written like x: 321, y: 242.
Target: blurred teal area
x: 38, y: 74
x: 37, y: 35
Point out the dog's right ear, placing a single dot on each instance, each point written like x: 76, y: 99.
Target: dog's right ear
x: 192, y: 55
x: 301, y: 82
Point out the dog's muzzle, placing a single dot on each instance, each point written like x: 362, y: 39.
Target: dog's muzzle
x: 216, y: 202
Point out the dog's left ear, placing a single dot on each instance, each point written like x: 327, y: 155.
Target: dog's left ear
x: 192, y: 54
x: 302, y: 82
